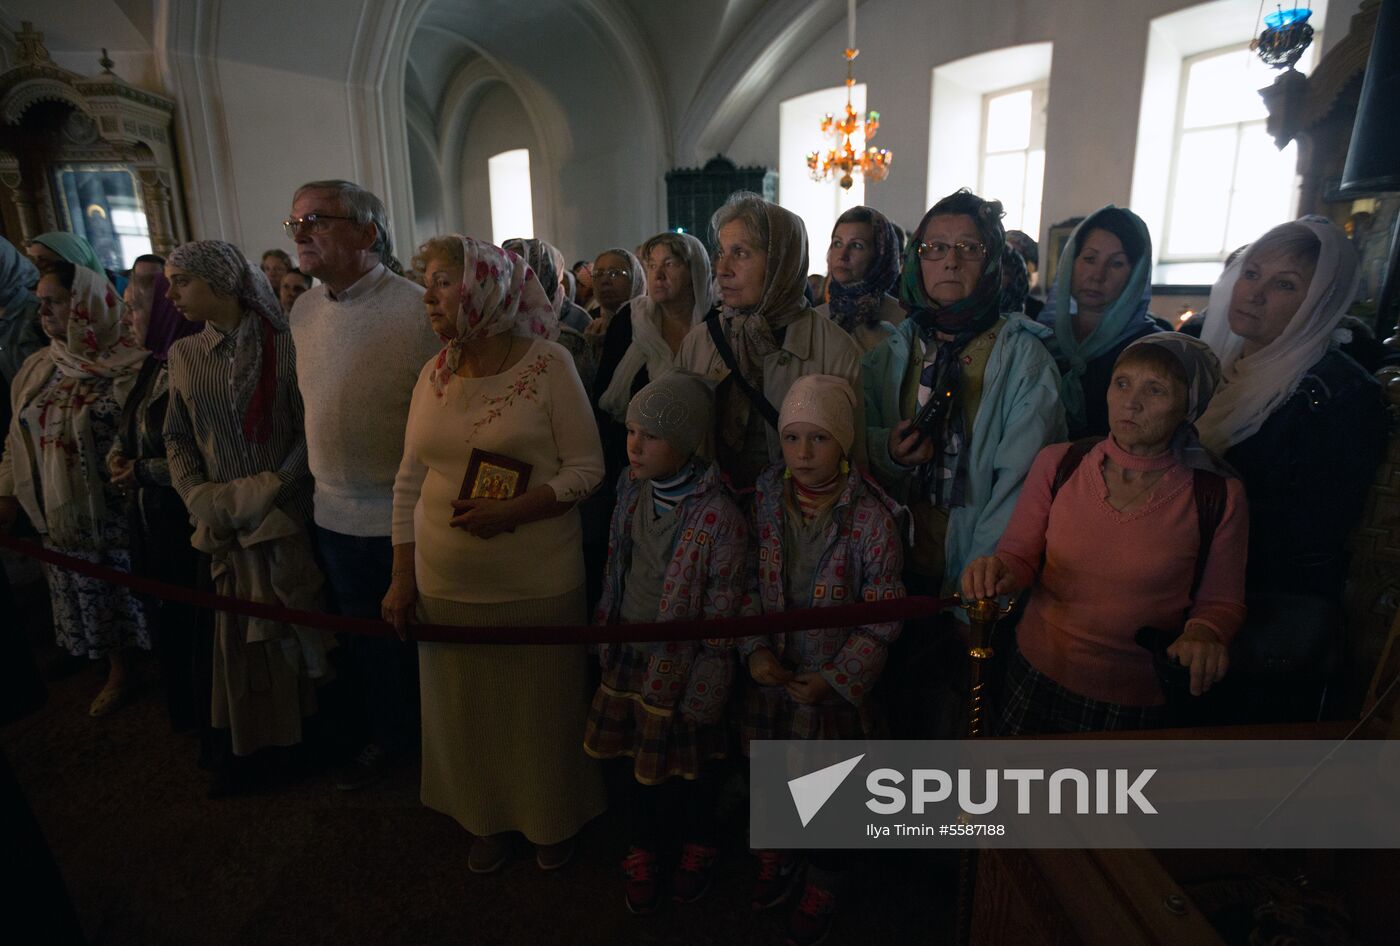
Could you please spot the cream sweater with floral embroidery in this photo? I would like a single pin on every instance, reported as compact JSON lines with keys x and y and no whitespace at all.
{"x":535,"y":412}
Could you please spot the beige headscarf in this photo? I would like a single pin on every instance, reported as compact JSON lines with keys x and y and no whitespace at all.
{"x":784,"y":298}
{"x":1253,"y":388}
{"x":649,"y":349}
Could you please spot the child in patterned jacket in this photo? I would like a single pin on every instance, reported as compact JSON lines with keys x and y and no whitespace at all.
{"x":826,"y":536}
{"x":678,"y":548}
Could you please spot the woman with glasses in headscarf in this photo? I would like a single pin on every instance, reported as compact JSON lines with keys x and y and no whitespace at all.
{"x":958,"y":403}
{"x":236,"y":444}
{"x":1145,"y":528}
{"x":1303,"y":423}
{"x":862,"y":265}
{"x":66,"y":402}
{"x":617,"y":277}
{"x":765,"y":335}
{"x":1106,"y":270}
{"x":499,"y":449}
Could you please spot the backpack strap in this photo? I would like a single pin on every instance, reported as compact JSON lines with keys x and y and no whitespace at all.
{"x":756,"y":398}
{"x":1076,"y":453}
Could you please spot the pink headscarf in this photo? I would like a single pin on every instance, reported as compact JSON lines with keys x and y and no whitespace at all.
{"x":500,"y":293}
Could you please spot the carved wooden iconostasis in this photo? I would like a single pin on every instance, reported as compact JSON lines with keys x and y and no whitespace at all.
{"x":90,"y":155}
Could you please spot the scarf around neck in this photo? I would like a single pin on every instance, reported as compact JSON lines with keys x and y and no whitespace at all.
{"x":96,"y":354}
{"x":964,"y":320}
{"x":1121,"y":316}
{"x":649,"y":349}
{"x":860,"y":302}
{"x":1253,"y":388}
{"x":253,"y":380}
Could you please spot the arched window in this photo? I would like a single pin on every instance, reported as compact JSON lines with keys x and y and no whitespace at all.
{"x":512,"y":214}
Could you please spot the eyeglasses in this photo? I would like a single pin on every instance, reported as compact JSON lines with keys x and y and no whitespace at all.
{"x":611,"y":274}
{"x":316,"y":223}
{"x":966,"y":252}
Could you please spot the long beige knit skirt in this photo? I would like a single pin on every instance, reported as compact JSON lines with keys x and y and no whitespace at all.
{"x":503,"y":724}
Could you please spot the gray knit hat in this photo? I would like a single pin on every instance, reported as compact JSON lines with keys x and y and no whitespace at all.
{"x":678,"y":407}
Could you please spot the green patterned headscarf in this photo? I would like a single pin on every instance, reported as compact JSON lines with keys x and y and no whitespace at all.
{"x":1073,"y":354}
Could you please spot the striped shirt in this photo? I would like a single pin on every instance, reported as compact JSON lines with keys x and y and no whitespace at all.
{"x":204,"y":429}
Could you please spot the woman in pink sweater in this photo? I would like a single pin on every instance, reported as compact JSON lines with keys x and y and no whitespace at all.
{"x":1113,"y":543}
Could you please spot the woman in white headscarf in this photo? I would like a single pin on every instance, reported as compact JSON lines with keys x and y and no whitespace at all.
{"x":1303,"y":423}
{"x":67,"y":399}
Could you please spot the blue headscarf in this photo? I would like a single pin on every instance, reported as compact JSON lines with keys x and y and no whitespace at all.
{"x":1118,"y":319}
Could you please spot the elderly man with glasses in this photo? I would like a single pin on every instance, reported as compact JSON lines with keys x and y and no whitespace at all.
{"x":361,"y":342}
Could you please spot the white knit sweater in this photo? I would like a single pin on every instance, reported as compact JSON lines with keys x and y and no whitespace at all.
{"x":358,"y":357}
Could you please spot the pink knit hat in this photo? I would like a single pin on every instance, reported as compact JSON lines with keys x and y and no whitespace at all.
{"x":825,"y":401}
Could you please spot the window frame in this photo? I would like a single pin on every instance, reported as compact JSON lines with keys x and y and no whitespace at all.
{"x":1040,"y":96}
{"x":1165,"y":257}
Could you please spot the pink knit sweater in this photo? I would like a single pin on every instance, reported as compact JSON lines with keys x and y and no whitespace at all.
{"x":1107,"y":573}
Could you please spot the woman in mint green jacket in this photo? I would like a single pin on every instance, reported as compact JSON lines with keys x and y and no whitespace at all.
{"x":958,"y":403}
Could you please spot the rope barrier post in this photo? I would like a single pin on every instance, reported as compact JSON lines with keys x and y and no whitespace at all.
{"x":982,"y":615}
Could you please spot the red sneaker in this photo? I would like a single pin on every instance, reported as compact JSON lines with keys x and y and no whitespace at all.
{"x":643,"y":884}
{"x":777,"y":875}
{"x":811,"y":922}
{"x":694,"y":873}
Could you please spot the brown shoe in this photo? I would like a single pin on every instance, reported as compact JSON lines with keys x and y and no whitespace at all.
{"x":488,"y":854}
{"x":554,"y":856}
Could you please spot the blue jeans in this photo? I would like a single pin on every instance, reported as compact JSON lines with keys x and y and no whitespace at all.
{"x":383,"y":671}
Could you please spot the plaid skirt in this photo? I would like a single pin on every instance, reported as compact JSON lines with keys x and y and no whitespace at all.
{"x":1034,"y":704}
{"x":770,"y":713}
{"x":659,"y":741}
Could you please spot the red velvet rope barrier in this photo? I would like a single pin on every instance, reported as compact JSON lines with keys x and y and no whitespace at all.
{"x":801,"y":619}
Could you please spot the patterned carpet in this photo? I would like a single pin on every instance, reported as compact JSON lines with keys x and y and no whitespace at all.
{"x":148,"y":860}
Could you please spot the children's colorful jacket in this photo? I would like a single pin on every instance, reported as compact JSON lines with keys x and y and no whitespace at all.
{"x":862,"y":559}
{"x":709,"y":577}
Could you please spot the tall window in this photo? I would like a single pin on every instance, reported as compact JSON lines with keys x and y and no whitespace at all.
{"x":1229,"y":183}
{"x":512,"y":214}
{"x":1011,"y":168}
{"x":818,"y":203}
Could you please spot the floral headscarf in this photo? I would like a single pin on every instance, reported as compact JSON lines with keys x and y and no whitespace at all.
{"x":860,"y":302}
{"x":1017,"y":280}
{"x":500,"y":293}
{"x":253,"y":381}
{"x":95,"y":352}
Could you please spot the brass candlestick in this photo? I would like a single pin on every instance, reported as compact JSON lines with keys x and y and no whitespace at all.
{"x":983,"y":615}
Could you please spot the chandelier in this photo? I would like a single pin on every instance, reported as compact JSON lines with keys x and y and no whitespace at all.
{"x":843,"y":160}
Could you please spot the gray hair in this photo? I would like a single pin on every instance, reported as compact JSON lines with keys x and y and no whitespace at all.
{"x":746,"y":207}
{"x":364,"y":207}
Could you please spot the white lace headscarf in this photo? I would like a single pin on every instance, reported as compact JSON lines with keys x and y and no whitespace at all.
{"x":1253,"y":388}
